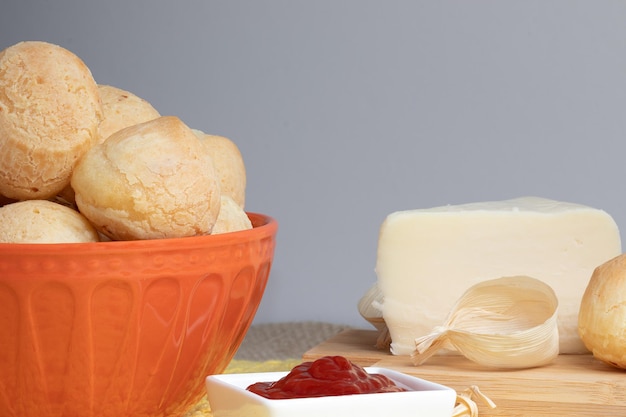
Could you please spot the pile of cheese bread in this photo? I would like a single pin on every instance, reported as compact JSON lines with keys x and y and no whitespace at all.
{"x":84,"y":162}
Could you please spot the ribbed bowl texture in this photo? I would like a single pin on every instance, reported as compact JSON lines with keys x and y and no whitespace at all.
{"x":125,"y":329}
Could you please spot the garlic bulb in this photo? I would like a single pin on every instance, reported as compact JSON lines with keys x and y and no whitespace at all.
{"x":509,"y":322}
{"x":602,"y":314}
{"x":370,"y":308}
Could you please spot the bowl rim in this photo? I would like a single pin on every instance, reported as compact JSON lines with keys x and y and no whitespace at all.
{"x":263,"y":226}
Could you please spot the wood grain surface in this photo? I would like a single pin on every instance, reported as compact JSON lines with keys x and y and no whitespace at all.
{"x":572,"y":386}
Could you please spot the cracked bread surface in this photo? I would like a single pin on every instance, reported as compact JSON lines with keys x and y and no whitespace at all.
{"x":149,"y":181}
{"x":50,"y":110}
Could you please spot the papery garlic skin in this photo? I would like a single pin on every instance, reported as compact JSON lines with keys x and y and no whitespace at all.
{"x":602,"y":314}
{"x":507,"y":323}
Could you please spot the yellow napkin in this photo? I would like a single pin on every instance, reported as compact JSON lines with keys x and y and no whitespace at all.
{"x":202,"y":409}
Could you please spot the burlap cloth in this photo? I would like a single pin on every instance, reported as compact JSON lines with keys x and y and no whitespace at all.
{"x":284,"y":340}
{"x":273,"y":347}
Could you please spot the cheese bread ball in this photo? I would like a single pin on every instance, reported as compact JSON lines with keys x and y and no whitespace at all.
{"x":122,"y":109}
{"x":148,"y":181}
{"x":42,"y":221}
{"x":231,"y":218}
{"x":49,"y":114}
{"x":228,"y":164}
{"x":602,"y":314}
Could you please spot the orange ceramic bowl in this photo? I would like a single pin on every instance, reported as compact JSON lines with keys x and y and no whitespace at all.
{"x":125,"y":328}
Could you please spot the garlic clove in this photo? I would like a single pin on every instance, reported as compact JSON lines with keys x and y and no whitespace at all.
{"x":509,"y":322}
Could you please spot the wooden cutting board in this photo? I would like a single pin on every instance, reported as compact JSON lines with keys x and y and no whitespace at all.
{"x":574,"y":385}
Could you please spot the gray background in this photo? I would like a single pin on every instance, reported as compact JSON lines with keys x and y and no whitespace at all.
{"x":348,"y":110}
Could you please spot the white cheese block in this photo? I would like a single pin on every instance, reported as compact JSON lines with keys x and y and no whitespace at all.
{"x":427,"y":258}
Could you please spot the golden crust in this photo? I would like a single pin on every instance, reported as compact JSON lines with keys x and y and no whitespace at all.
{"x":148,"y":181}
{"x":231,"y":218}
{"x":42,"y":221}
{"x":228,"y":164}
{"x":50,"y":110}
{"x":602,"y":314}
{"x":122,"y":109}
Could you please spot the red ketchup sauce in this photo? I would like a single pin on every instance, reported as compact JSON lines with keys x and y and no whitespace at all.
{"x":327,"y":376}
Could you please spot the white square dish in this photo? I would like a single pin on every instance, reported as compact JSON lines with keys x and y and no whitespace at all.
{"x":228,"y":397}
